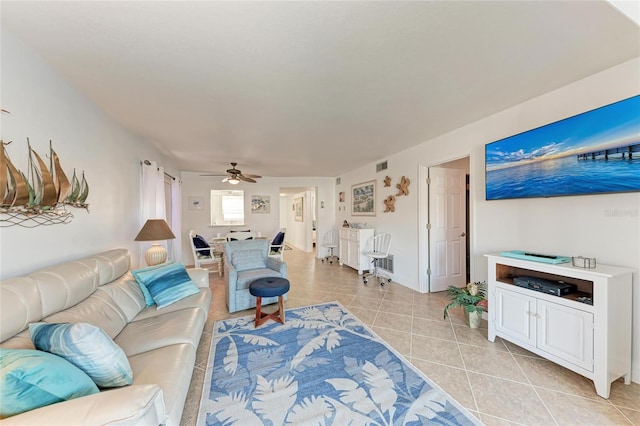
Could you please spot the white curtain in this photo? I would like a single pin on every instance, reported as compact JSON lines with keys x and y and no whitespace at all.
{"x":153,"y":201}
{"x":176,"y":218}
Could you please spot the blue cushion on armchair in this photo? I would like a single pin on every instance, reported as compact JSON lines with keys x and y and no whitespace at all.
{"x":244,"y":260}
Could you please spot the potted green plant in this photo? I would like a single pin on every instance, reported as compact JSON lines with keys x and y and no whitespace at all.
{"x":473,"y":298}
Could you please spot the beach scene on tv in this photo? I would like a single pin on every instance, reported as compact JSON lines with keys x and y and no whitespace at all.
{"x":591,"y":153}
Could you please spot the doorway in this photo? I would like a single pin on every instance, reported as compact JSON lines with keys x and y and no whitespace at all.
{"x":444,"y":232}
{"x":298,"y":212}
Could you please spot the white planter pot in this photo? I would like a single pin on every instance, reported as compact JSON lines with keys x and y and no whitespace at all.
{"x":474,"y":319}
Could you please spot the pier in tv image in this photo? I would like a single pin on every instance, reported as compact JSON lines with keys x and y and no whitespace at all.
{"x":592,"y":153}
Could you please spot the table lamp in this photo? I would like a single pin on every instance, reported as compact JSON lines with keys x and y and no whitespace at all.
{"x":155,"y":230}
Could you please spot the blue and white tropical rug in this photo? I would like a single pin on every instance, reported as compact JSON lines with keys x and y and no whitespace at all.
{"x":322,"y":367}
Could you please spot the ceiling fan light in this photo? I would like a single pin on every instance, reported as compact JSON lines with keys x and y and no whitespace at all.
{"x":234,"y":181}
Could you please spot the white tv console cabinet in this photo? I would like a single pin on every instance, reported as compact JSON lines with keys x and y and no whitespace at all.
{"x":592,"y":340}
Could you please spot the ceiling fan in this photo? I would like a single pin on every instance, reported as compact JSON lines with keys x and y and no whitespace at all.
{"x":234,"y":176}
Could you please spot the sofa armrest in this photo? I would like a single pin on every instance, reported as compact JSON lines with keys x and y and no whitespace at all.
{"x":130,"y":405}
{"x":200,"y":276}
{"x":277,"y":265}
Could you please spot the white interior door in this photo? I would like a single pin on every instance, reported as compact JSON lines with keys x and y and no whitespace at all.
{"x":447,"y":228}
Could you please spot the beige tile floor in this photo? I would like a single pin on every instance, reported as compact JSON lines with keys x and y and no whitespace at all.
{"x":499,"y":382}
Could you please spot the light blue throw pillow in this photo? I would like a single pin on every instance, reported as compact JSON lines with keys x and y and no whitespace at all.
{"x":31,"y":379}
{"x":87,"y":347}
{"x":244,"y":260}
{"x":147,"y":296}
{"x":166,"y":284}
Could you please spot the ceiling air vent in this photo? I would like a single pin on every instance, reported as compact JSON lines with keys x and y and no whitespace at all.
{"x":381,"y":166}
{"x":337,"y":181}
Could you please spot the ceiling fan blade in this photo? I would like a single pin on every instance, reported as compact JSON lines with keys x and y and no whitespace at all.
{"x":234,"y":175}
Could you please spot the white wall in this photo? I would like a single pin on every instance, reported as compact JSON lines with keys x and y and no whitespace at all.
{"x":44,"y":106}
{"x":283,"y":208}
{"x":606,"y":227}
{"x":267,"y":224}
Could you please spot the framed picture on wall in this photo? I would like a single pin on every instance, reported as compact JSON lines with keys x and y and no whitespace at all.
{"x":261,"y":204}
{"x":196,"y":203}
{"x":297,"y":208}
{"x":363,"y":199}
{"x":341,"y":197}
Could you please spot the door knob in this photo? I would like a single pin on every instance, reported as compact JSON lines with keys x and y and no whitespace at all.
{"x":464,"y":234}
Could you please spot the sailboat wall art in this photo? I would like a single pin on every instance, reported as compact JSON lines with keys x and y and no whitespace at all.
{"x":42,"y":195}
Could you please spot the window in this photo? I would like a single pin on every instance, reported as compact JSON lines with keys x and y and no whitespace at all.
{"x":232,"y":208}
{"x":227,"y":207}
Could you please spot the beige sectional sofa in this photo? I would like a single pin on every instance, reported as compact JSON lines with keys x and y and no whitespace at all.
{"x":160,"y":344}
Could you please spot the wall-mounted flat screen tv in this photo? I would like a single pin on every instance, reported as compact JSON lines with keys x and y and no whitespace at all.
{"x":594,"y":152}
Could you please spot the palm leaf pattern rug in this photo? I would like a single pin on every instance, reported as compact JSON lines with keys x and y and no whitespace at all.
{"x":322,"y":367}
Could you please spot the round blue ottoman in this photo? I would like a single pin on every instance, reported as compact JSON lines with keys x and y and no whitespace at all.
{"x":269,"y":287}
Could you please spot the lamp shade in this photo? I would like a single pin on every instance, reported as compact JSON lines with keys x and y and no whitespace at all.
{"x":155,"y":230}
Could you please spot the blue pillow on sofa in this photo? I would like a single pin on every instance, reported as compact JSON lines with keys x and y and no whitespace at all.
{"x":148,"y":300}
{"x":87,"y":347}
{"x":166,"y":283}
{"x":31,"y":379}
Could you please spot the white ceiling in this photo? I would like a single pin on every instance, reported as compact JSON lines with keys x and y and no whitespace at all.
{"x":315,"y":88}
